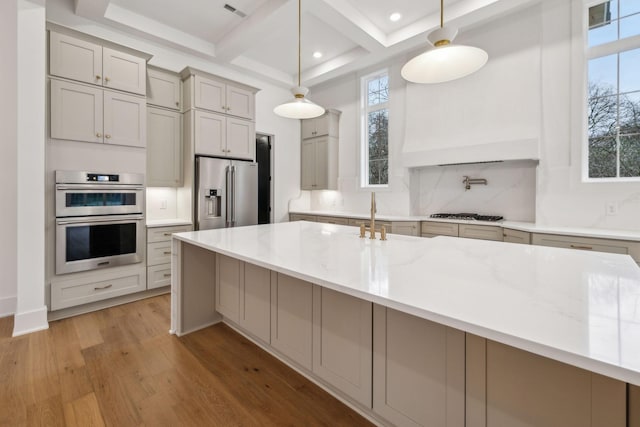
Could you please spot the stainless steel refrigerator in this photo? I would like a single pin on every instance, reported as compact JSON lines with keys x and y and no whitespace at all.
{"x":226,"y":193}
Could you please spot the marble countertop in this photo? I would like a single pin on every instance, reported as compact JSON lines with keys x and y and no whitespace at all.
{"x":152,"y":223}
{"x":581,"y":308}
{"x":516,"y":225}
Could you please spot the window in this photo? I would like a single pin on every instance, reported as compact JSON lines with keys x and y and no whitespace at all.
{"x":375,"y":130}
{"x":613,"y":115}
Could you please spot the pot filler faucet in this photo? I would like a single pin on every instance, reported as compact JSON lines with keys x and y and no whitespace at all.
{"x":468,"y":182}
{"x":372,"y":224}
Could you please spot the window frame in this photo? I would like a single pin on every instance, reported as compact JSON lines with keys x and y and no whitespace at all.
{"x":365,"y":109}
{"x":600,"y":51}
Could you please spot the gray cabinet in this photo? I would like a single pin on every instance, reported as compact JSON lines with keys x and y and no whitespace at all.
{"x":418,"y":370}
{"x":163,"y":88}
{"x":406,"y":228}
{"x":342,"y":345}
{"x":229,"y":275}
{"x":588,"y":244}
{"x":88,"y":62}
{"x":516,"y":236}
{"x":434,"y":228}
{"x":159,"y":254}
{"x":319,"y":152}
{"x":291,"y":319}
{"x":255,"y":302}
{"x":483,"y":232}
{"x":164,"y":148}
{"x":222,"y":136}
{"x":302,"y":217}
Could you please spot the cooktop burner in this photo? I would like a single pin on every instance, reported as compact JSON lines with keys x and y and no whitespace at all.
{"x":467,"y":216}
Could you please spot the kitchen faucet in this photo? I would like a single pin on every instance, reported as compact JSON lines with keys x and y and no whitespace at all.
{"x":468,"y":182}
{"x":372,"y":224}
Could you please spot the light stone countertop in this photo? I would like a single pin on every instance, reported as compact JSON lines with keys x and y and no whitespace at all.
{"x":516,"y":225}
{"x":153,"y":223}
{"x":580,"y":308}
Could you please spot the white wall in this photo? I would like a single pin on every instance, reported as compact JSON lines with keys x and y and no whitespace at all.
{"x":532,"y":88}
{"x":8,"y":155}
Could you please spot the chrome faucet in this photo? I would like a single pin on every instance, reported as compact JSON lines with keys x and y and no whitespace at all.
{"x":468,"y":182}
{"x":372,"y":224}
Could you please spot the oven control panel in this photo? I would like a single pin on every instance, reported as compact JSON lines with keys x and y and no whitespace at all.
{"x":96,"y":177}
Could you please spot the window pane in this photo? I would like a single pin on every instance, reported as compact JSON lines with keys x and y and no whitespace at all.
{"x":630,"y":156}
{"x":378,"y":124}
{"x":627,"y":7}
{"x":630,"y":26}
{"x":630,"y":113}
{"x":603,"y":26}
{"x":603,"y":72}
{"x":602,"y":157}
{"x":630,"y":70}
{"x":603,"y":115}
{"x":378,"y":90}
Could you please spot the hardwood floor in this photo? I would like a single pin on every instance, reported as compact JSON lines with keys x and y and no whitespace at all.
{"x":120,"y":367}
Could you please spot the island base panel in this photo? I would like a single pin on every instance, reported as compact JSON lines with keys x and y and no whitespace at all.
{"x":198,"y":308}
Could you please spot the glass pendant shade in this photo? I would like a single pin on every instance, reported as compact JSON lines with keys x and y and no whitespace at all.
{"x":299,"y":107}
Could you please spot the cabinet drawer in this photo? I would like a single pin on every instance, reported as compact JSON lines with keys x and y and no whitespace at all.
{"x":158,"y":276}
{"x":516,"y":236}
{"x":333,"y":220}
{"x":302,"y":217}
{"x":432,"y":228}
{"x":158,"y":253}
{"x":484,"y":232}
{"x":409,"y":228}
{"x":163,"y":234}
{"x":77,"y":291}
{"x":588,"y":244}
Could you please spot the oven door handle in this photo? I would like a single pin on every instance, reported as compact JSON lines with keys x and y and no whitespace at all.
{"x":113,"y":218}
{"x":98,"y":187}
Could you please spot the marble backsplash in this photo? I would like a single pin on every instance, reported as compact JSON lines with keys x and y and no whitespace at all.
{"x":510,"y":190}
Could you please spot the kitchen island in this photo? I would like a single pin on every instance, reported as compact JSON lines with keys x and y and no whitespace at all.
{"x":452,"y":329}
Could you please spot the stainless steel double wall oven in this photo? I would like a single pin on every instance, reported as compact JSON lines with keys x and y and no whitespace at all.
{"x":99,"y":220}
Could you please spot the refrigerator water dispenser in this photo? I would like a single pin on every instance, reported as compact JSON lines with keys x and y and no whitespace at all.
{"x":214,"y":202}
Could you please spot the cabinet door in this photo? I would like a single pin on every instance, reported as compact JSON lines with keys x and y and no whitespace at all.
{"x":516,"y":236}
{"x":158,"y":276}
{"x":291,"y":320}
{"x":209,"y":94}
{"x":125,"y":119}
{"x":322,"y":125}
{"x":322,"y":164}
{"x":229,"y":275}
{"x":308,"y":165}
{"x":255,"y":302}
{"x":342,"y":345}
{"x":418,"y":370}
{"x":241,"y":139}
{"x":163,"y":89}
{"x":124,"y":71}
{"x":164,"y":148}
{"x":482,"y":232}
{"x":240,"y":102}
{"x":409,"y":228}
{"x":210,"y":134}
{"x":75,"y":59}
{"x":308,"y":128}
{"x":76,"y":112}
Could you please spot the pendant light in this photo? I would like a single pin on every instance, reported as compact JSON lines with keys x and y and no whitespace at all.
{"x":445,"y":61}
{"x":299,"y":107}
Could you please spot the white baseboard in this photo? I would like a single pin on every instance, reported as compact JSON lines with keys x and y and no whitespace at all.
{"x":7,"y":306}
{"x":30,"y":321}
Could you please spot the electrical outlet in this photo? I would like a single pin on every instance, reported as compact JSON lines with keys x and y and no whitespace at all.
{"x":612,"y":208}
{"x":163,"y":204}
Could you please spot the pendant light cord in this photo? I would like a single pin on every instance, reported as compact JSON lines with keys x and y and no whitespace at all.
{"x":441,"y":13}
{"x":299,"y":37}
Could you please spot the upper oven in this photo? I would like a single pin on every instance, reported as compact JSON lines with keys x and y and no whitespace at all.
{"x":89,"y":194}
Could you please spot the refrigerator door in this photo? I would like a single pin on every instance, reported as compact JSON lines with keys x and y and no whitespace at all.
{"x":244,"y":187}
{"x":211,"y":193}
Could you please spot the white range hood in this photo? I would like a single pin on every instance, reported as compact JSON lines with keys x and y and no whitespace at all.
{"x":523,"y":149}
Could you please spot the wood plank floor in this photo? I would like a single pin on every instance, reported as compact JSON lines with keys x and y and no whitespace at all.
{"x":120,"y":367}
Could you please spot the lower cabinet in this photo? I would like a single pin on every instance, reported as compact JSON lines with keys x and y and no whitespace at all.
{"x":418,"y":370}
{"x":519,"y":389}
{"x":434,"y":228}
{"x":342,"y":342}
{"x":333,"y":220}
{"x":482,"y":232}
{"x":255,"y":301}
{"x":406,"y":228}
{"x":229,"y":276}
{"x":159,"y":254}
{"x":516,"y":236}
{"x":291,"y":319}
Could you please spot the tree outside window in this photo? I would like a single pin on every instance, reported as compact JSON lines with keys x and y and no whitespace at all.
{"x":376,"y":130}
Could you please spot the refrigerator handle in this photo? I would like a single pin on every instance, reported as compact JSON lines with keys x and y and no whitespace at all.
{"x":228,"y":197}
{"x":233,"y":192}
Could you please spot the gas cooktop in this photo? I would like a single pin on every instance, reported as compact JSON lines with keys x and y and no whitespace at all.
{"x":467,"y":216}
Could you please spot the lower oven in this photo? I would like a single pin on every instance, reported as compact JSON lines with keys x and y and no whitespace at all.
{"x":92,"y":242}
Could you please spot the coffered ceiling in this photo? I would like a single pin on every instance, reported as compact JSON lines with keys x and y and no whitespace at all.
{"x":260,"y":36}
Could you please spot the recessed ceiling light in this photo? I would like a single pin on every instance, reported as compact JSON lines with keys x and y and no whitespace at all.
{"x":317,"y":54}
{"x":394,"y":17}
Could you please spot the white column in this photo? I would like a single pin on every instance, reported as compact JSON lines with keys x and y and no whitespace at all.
{"x":31,"y":310}
{"x":8,"y":155}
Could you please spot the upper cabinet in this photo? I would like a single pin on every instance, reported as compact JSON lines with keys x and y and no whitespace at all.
{"x":319,"y":152}
{"x":163,"y":89}
{"x":77,"y":59}
{"x":223,"y":97}
{"x":327,"y":124}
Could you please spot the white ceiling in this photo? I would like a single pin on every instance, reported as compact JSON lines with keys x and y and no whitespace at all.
{"x":351,"y":34}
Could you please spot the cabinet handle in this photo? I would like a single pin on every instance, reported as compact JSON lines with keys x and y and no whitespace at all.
{"x":107,"y":136}
{"x":166,"y":253}
{"x":98,"y":77}
{"x":167,"y":274}
{"x":99,"y":288}
{"x":584,"y":248}
{"x":177,"y":104}
{"x":98,"y":134}
{"x":106,"y":79}
{"x":166,"y":234}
